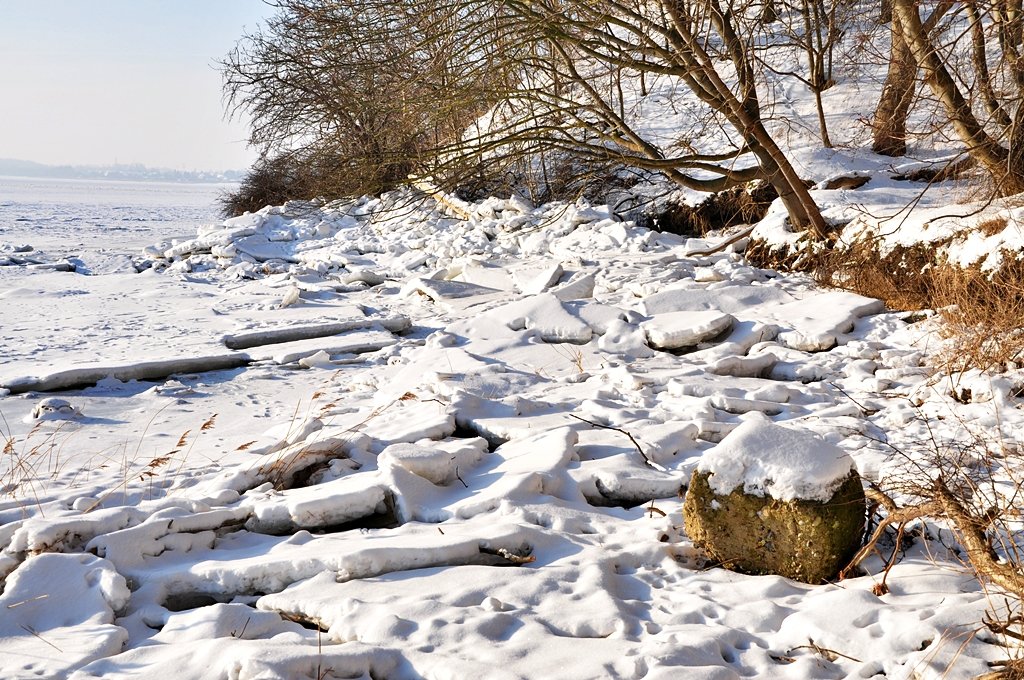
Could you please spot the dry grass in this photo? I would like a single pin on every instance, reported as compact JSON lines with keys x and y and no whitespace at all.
{"x":50,"y":455}
{"x":1009,"y":670}
{"x":904,"y":278}
{"x":293,"y":462}
{"x":983,"y":312}
{"x":994,"y":226}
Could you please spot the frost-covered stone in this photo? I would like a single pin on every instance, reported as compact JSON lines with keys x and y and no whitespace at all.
{"x":772,"y":500}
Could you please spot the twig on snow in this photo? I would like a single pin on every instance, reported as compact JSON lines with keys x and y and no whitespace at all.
{"x":28,"y":629}
{"x":724,"y":244}
{"x":619,"y":429}
{"x":825,"y":652}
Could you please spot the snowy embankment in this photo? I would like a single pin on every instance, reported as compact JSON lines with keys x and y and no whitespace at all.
{"x":448,"y":447}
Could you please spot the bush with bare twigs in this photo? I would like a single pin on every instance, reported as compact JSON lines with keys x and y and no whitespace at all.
{"x":973,"y":481}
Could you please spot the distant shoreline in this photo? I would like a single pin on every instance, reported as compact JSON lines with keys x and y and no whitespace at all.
{"x":125,"y":180}
{"x":130,"y":173}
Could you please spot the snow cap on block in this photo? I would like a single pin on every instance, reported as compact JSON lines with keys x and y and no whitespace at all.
{"x":782,"y":462}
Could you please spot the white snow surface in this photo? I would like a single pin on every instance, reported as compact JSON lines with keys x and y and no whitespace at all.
{"x":457,"y":451}
{"x":787,"y":464}
{"x":326,"y":441}
{"x":368,"y":416}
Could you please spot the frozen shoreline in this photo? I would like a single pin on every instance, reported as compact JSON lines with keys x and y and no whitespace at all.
{"x":374,"y":482}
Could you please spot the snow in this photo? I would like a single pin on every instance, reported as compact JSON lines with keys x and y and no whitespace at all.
{"x":763,"y":458}
{"x":390,"y":452}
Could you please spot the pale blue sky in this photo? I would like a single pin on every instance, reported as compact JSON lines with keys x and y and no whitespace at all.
{"x":132,"y":81}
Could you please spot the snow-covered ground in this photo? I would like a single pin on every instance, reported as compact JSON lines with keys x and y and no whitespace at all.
{"x":371,"y":439}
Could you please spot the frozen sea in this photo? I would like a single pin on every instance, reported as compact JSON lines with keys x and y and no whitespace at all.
{"x":63,"y":216}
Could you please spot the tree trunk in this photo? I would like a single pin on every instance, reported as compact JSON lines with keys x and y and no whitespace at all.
{"x":890,"y":119}
{"x":814,"y":16}
{"x":979,"y":56}
{"x":803,"y":211}
{"x":1005,"y":165}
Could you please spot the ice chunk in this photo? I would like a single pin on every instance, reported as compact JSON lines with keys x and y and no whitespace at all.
{"x":535,"y":278}
{"x":352,"y":342}
{"x":625,"y":338}
{"x":410,"y":421}
{"x":817,"y":321}
{"x":676,"y":330}
{"x":547,"y":315}
{"x":277,"y":334}
{"x":315,"y":507}
{"x":438,"y":462}
{"x":738,"y":300}
{"x":63,"y":603}
{"x":487,"y":276}
{"x":578,"y":287}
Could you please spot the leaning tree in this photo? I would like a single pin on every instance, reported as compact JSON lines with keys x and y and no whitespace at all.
{"x":585,"y":67}
{"x":981,"y":95}
{"x":392,"y":87}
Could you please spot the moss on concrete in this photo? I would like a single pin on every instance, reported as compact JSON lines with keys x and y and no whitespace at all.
{"x":806,"y":541}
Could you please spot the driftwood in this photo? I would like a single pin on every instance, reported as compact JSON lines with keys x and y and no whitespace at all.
{"x":724,"y":244}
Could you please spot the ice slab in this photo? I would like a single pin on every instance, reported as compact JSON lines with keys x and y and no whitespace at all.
{"x":815,"y":323}
{"x":58,"y":614}
{"x":351,"y":342}
{"x":677,"y":330}
{"x":147,"y":370}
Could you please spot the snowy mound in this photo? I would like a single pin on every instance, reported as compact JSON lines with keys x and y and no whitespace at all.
{"x":782,"y":462}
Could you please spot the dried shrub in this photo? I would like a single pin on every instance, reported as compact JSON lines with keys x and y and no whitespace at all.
{"x":903,"y":277}
{"x":983,"y":312}
{"x":803,"y":258}
{"x":541,"y":177}
{"x":993,"y":226}
{"x":972,"y":479}
{"x":270,"y":181}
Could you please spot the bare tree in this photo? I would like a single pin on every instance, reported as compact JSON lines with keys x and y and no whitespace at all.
{"x":889,"y":122}
{"x":815,"y":27}
{"x":388,"y":87}
{"x":706,"y":46}
{"x":359,"y":88}
{"x":995,"y":139}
